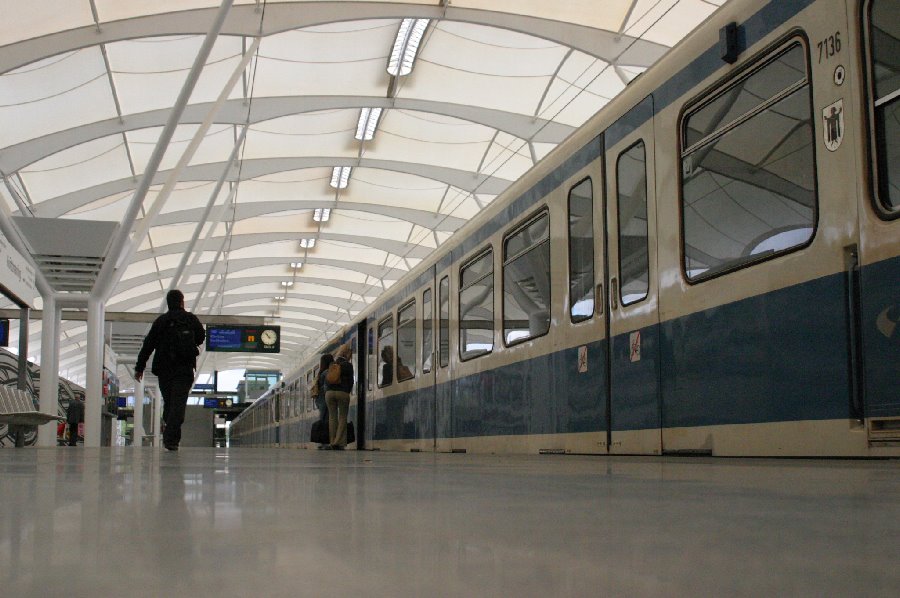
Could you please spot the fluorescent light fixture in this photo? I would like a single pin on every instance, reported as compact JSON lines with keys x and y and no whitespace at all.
{"x":368,"y":120}
{"x":307,"y":243}
{"x":321,"y":214}
{"x":405,"y":46}
{"x":339,"y":176}
{"x":287,"y":283}
{"x":296,"y":265}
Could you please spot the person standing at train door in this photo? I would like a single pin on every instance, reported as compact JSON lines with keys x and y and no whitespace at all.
{"x":321,"y":428}
{"x":173,"y":339}
{"x":337,"y":397}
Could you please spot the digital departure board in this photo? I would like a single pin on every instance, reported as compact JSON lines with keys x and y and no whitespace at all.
{"x":4,"y":333}
{"x":243,"y":339}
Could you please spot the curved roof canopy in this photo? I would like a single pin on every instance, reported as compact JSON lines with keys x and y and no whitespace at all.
{"x":462,"y":97}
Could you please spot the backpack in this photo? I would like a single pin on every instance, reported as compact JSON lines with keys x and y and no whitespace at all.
{"x":177,"y":344}
{"x":333,"y":374}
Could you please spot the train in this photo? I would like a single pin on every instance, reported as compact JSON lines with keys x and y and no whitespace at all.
{"x":709,"y":266}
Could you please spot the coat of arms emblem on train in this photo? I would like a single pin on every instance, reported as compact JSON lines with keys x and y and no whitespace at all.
{"x":833,"y":121}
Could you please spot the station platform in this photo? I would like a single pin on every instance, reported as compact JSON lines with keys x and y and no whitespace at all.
{"x":276,"y":522}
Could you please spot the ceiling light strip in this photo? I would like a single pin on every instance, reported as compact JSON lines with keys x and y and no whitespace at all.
{"x":368,"y":121}
{"x":406,"y":45}
{"x":340,"y":176}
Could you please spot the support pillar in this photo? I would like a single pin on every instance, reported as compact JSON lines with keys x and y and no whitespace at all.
{"x":93,"y":404}
{"x":50,"y":321}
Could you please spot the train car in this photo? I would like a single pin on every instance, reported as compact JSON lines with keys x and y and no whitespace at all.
{"x":710,"y":265}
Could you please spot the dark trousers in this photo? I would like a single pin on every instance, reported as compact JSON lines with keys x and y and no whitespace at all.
{"x":73,"y":433}
{"x":175,"y":390}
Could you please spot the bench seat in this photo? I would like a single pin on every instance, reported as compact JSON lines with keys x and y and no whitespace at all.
{"x":17,"y":409}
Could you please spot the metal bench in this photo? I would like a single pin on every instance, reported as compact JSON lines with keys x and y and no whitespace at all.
{"x":17,"y":410}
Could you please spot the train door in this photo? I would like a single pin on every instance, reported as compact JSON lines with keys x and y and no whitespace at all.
{"x":367,"y":427}
{"x":632,"y":306}
{"x":878,"y":266}
{"x":426,"y":387}
{"x":442,"y":369}
{"x":580,"y":339}
{"x":358,"y":344}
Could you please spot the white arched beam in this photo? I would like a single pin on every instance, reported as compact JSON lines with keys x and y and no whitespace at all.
{"x":403,"y":248}
{"x":239,"y":265}
{"x":610,"y":46}
{"x":424,"y":218}
{"x":251,"y":169}
{"x":523,"y":126}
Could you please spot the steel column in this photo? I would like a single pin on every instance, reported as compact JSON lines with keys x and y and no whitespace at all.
{"x":93,"y":404}
{"x":49,"y":368}
{"x":107,"y":277}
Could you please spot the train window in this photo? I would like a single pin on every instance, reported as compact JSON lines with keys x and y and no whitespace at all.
{"x":444,"y":322}
{"x":581,"y":251}
{"x":748,"y":169}
{"x":476,"y":306}
{"x":526,"y":281}
{"x":884,"y":38}
{"x":631,"y":197}
{"x":386,"y":351}
{"x":406,"y":341}
{"x":427,"y":332}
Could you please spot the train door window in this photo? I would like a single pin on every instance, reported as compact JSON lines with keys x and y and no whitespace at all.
{"x":476,"y":306}
{"x":581,"y":251}
{"x":354,"y":353}
{"x":370,"y":365}
{"x":427,"y":332}
{"x":526,"y":281}
{"x":884,"y":72}
{"x":748,"y":168}
{"x":386,"y":351}
{"x":444,"y":322}
{"x":406,"y":341}
{"x":631,"y":197}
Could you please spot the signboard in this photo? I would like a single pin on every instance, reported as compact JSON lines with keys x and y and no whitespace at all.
{"x":4,"y":333}
{"x":17,"y":277}
{"x":243,"y":339}
{"x":218,"y":403}
{"x":204,"y":387}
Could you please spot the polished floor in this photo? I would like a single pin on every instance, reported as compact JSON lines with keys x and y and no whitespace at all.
{"x":78,"y":522}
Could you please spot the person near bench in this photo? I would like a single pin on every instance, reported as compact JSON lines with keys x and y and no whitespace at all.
{"x":74,"y":416}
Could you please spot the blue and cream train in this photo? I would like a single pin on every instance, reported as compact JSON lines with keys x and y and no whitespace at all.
{"x":710,"y":265}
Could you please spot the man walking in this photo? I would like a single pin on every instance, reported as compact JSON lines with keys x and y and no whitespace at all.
{"x":173,"y":339}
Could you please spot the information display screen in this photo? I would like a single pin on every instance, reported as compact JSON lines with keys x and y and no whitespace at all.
{"x":243,"y":339}
{"x":4,"y":333}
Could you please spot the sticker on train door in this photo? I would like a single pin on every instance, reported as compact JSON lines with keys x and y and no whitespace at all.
{"x":582,"y":359}
{"x":635,"y":343}
{"x":833,"y":121}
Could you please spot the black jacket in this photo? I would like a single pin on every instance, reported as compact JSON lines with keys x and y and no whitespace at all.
{"x":151,"y":342}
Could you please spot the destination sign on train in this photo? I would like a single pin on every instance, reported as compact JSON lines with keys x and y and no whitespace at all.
{"x":243,"y":339}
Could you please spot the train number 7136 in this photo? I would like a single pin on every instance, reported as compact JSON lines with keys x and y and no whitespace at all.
{"x":829,"y":46}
